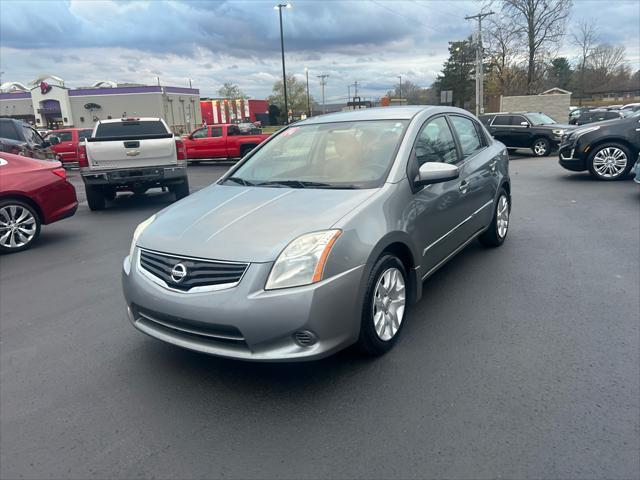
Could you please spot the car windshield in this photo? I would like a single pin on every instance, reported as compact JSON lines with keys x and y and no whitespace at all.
{"x":540,"y":119}
{"x":328,"y":155}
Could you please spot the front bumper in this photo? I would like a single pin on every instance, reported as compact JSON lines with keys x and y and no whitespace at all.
{"x":130,"y":176}
{"x":569,"y":158}
{"x":247,"y":322}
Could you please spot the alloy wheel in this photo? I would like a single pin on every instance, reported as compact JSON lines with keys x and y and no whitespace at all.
{"x":610,"y":162}
{"x":502,"y":216}
{"x":389,"y":299}
{"x":540,"y":148}
{"x":17,"y":226}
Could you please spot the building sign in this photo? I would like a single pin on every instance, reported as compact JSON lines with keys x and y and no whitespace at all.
{"x":44,"y":88}
{"x":92,"y":106}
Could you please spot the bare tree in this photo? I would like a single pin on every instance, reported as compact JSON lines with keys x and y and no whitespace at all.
{"x":606,"y":59}
{"x":503,"y":50}
{"x":541,"y":25}
{"x":585,"y":38}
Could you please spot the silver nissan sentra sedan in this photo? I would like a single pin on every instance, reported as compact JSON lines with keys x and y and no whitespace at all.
{"x":321,"y":237}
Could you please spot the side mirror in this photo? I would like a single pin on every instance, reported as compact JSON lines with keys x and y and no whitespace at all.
{"x":435,"y":172}
{"x":53,"y":140}
{"x":524,"y":124}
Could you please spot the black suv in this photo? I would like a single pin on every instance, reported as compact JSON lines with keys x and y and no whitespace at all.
{"x":533,"y":130}
{"x":21,"y":138}
{"x":607,"y":149}
{"x":598,"y":115}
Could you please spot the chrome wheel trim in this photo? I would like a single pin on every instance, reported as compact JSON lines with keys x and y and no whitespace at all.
{"x":610,"y":162}
{"x":389,"y":299}
{"x":540,"y":148}
{"x":17,"y":226}
{"x":502,"y":216}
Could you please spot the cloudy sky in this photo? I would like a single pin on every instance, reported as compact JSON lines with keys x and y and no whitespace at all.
{"x":371,"y":41}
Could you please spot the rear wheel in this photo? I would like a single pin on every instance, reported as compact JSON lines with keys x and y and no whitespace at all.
{"x":610,"y":161}
{"x":495,"y":235}
{"x":180,"y":190}
{"x":384,"y":306}
{"x":95,"y":197}
{"x":19,"y":226}
{"x":541,"y":147}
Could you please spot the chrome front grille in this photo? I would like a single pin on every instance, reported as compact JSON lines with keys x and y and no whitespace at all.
{"x":189,"y":274}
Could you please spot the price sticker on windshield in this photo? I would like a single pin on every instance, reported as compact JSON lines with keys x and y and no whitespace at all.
{"x":290,"y":131}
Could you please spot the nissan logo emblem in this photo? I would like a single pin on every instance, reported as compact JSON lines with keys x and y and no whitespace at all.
{"x":178,"y":272}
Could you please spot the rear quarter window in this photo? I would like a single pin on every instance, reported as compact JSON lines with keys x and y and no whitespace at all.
{"x":131,"y":129}
{"x":7,"y":130}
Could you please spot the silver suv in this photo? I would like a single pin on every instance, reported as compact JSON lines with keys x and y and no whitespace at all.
{"x":321,"y":237}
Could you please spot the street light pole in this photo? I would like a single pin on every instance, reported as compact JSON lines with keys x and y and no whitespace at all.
{"x":306,"y":71}
{"x":279,"y":7}
{"x":323,"y":82}
{"x":400,"y":77}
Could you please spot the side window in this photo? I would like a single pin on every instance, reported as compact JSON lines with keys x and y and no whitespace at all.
{"x":502,"y":120}
{"x":435,"y":143}
{"x":216,"y":131}
{"x":467,"y":134}
{"x":610,"y":115}
{"x":63,"y":136}
{"x":31,"y":136}
{"x":82,"y":134}
{"x":233,"y":130}
{"x":518,"y":119}
{"x":201,"y":133}
{"x":8,"y":131}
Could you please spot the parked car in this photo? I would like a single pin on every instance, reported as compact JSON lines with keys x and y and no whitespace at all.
{"x":220,"y":142}
{"x":248,"y":128}
{"x":576,"y":112}
{"x":20,"y":138}
{"x":632,"y":107}
{"x":533,"y":130}
{"x":321,"y":236}
{"x":607,"y":149}
{"x":32,"y":193}
{"x":131,"y":154}
{"x":636,"y":177}
{"x":598,"y":115}
{"x":67,"y":146}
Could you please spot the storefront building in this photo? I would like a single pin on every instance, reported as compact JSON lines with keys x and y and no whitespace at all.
{"x":54,"y":106}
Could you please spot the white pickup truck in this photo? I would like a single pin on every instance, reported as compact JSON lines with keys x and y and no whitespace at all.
{"x":131,"y":154}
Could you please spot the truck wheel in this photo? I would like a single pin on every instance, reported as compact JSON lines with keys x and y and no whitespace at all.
{"x":181,"y":190}
{"x":95,"y":198}
{"x":245,"y":149}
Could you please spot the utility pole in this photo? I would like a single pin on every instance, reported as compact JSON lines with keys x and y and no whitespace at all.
{"x":400,"y":77}
{"x":306,"y":71}
{"x":355,"y":94}
{"x":323,"y":82}
{"x":479,"y":74}
{"x":348,"y":93}
{"x":279,"y":7}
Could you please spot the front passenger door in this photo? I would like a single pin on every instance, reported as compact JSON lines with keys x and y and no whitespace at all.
{"x":438,"y":211}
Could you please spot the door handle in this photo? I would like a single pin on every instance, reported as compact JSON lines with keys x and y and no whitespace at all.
{"x":463,"y":187}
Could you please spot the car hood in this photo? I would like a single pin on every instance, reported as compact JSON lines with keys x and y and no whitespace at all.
{"x":555,"y":126}
{"x":248,"y":224}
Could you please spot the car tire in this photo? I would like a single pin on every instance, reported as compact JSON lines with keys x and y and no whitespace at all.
{"x":541,"y":147}
{"x":180,"y":190}
{"x":495,"y":235}
{"x":95,"y":198}
{"x":384,"y":312}
{"x":610,"y":161}
{"x":16,"y":212}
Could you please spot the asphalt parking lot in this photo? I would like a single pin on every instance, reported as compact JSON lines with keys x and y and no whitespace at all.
{"x":523,"y":361}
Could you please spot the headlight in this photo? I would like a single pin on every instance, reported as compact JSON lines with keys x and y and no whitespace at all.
{"x":581,"y":131}
{"x":558,"y":132}
{"x":138,"y":231}
{"x":302,"y":261}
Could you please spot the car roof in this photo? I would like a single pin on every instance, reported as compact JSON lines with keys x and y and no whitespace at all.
{"x":404,"y":112}
{"x":141,"y":119}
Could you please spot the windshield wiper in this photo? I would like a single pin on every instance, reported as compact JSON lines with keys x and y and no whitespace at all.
{"x":305,"y":184}
{"x":239,"y":180}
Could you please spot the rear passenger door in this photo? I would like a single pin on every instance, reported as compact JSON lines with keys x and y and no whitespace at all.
{"x":478,"y":170}
{"x":502,"y":130}
{"x":521,"y":131}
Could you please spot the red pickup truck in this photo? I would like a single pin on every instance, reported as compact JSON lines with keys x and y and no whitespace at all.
{"x":217,"y":142}
{"x":68,"y":147}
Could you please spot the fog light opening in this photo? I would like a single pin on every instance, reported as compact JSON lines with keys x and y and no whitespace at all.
{"x":305,"y":338}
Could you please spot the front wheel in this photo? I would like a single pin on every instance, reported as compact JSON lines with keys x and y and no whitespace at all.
{"x":495,"y":235}
{"x":610,"y":161}
{"x":541,"y":147}
{"x":19,"y":226}
{"x":384,"y":306}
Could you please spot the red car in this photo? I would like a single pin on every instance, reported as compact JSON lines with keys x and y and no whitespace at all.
{"x":32,"y":193}
{"x":67,"y":149}
{"x":219,"y":142}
